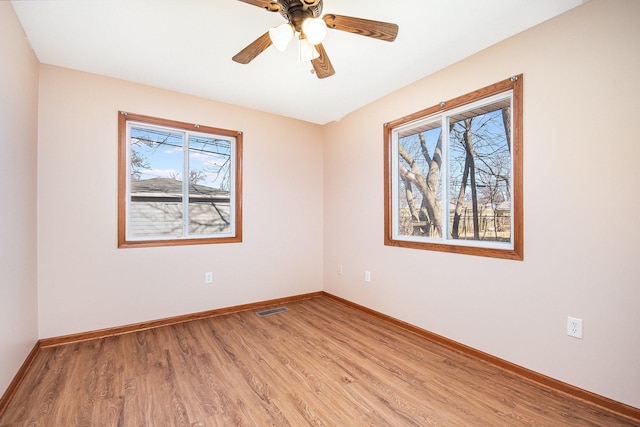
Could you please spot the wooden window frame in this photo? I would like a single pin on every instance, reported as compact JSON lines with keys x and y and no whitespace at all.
{"x":513,"y":84}
{"x":123,"y":159}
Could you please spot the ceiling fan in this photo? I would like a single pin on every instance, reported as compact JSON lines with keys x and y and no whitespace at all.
{"x":303,"y":20}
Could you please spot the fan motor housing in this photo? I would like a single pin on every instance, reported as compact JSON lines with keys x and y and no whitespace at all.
{"x":296,"y":11}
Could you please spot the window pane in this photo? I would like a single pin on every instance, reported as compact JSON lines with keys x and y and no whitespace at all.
{"x":209,"y":185}
{"x":155,"y":182}
{"x":453,"y":175}
{"x":178,"y":183}
{"x":419,"y":193}
{"x":480,"y":174}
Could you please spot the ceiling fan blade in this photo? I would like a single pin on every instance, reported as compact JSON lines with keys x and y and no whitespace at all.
{"x":365,"y":27}
{"x":322,"y":64}
{"x":254,"y":49}
{"x":260,"y":3}
{"x":271,"y":6}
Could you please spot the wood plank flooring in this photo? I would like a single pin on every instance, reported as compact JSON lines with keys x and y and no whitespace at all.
{"x":320,"y":363}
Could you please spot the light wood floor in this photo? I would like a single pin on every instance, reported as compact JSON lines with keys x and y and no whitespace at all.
{"x":319,"y":364}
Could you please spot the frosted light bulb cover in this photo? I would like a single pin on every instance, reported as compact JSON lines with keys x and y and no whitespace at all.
{"x":315,"y":30}
{"x":281,"y":35}
{"x":307,"y":51}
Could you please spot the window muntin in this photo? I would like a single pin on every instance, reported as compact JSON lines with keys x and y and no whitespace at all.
{"x":157,"y":205}
{"x":459,"y":190}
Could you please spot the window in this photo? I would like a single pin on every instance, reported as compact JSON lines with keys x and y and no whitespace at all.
{"x":453,"y":175}
{"x":178,"y":183}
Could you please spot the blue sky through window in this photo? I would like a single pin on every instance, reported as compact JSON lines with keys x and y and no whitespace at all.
{"x":159,"y":153}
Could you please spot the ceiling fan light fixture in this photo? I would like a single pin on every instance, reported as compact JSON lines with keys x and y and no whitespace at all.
{"x":306,"y":22}
{"x":307,"y":51}
{"x":315,"y":29}
{"x":281,"y":35}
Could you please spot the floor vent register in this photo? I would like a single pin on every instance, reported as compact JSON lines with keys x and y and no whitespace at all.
{"x":271,"y":311}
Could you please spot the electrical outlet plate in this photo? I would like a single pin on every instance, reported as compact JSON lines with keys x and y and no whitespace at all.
{"x":367,"y":276}
{"x":208,"y":277}
{"x":574,"y":327}
{"x":339,"y":269}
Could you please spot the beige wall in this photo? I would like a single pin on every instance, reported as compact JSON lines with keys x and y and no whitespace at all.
{"x":18,"y":138}
{"x":581,"y":152}
{"x":87,"y":283}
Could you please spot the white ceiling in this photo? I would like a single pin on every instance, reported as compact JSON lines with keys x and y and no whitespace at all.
{"x":187,"y":45}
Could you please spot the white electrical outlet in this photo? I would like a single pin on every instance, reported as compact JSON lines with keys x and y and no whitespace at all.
{"x":208,"y":277}
{"x":574,"y":327}
{"x":339,"y":269}
{"x":367,"y":276}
